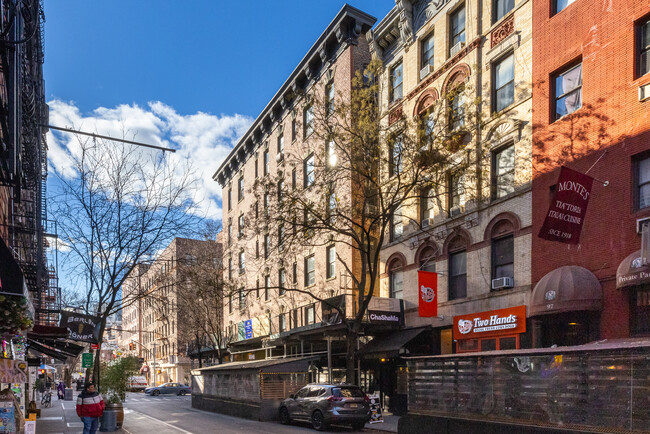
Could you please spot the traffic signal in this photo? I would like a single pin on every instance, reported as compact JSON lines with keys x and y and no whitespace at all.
{"x":42,"y":371}
{"x":132,"y":346}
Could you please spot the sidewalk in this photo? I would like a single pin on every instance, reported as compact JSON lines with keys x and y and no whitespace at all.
{"x":60,"y":418}
{"x":389,"y":424}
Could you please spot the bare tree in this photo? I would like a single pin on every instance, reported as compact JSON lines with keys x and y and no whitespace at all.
{"x":122,"y":206}
{"x":367,"y":165}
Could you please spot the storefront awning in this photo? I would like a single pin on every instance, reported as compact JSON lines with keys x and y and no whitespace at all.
{"x":632,"y":272}
{"x":289,"y":364}
{"x":566,"y":289}
{"x":387,"y":346}
{"x":35,"y":346}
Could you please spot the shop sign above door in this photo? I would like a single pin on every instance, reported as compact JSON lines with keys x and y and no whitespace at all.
{"x":499,"y":322}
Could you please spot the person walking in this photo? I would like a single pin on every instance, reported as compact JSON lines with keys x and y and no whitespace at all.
{"x":90,"y":407}
{"x":60,"y":390}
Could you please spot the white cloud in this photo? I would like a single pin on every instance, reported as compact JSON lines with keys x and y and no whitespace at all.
{"x":201,"y":138}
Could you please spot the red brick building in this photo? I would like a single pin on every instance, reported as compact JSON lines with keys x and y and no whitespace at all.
{"x":591,"y":99}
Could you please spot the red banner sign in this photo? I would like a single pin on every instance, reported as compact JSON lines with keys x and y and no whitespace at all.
{"x":428,"y":284}
{"x":499,"y":322}
{"x":566,"y":214}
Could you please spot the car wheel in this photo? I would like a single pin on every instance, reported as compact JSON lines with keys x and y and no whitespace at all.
{"x":317,"y":421}
{"x":358,"y":426}
{"x":182,"y":392}
{"x":285,"y":419}
{"x":155,"y":392}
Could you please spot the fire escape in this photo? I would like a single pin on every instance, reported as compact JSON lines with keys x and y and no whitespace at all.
{"x":23,"y":114}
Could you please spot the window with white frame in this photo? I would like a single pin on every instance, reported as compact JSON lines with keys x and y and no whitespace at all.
{"x":240,"y":226}
{"x":242,"y":262}
{"x":559,"y":5}
{"x":457,"y":30}
{"x":568,"y":91}
{"x":310,"y":314}
{"x":308,"y":170}
{"x":396,"y":279}
{"x":427,"y":48}
{"x":503,"y":170}
{"x":330,"y":152}
{"x":500,"y":9}
{"x":427,"y":204}
{"x":331,"y":262}
{"x":267,"y":163}
{"x":457,"y":108}
{"x":642,"y":190}
{"x":503,"y":92}
{"x":457,"y":275}
{"x":310,"y":270}
{"x":240,"y":189}
{"x":644,"y":47}
{"x":280,"y":143}
{"x":397,"y":226}
{"x":396,"y":81}
{"x":242,"y":299}
{"x":308,"y":121}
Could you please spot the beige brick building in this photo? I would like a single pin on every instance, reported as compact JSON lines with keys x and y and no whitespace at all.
{"x":477,"y":232}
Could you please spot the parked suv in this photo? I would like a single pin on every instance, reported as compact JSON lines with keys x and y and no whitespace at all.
{"x":324,"y":404}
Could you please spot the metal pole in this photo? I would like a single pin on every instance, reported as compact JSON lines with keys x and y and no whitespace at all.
{"x":154,"y":364}
{"x":329,"y":359}
{"x":131,"y":142}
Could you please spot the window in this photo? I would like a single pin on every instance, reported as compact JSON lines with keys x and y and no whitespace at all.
{"x":257,"y":209}
{"x":283,"y":322}
{"x":427,"y":259}
{"x":503,"y":93}
{"x":267,"y":204}
{"x":329,"y":98}
{"x":644,"y":48}
{"x":308,"y":170}
{"x":294,"y":269}
{"x":242,"y":299}
{"x":456,"y":191}
{"x":643,"y":183}
{"x":280,"y":236}
{"x":568,"y":91}
{"x":396,"y":225}
{"x":229,"y":231}
{"x":559,"y":5}
{"x":308,"y":121}
{"x":331,"y":262}
{"x":396,"y":82}
{"x":457,"y":275}
{"x":229,"y":199}
{"x":503,"y":172}
{"x":240,"y":228}
{"x":457,"y":37}
{"x":282,"y":281}
{"x":240,"y":189}
{"x":396,"y":160}
{"x":396,"y":277}
{"x":280,"y":191}
{"x":280,"y":143}
{"x":427,"y":120}
{"x":257,"y":249}
{"x":242,"y":262}
{"x":256,"y":170}
{"x":427,"y":204}
{"x":294,"y":179}
{"x":230,"y":303}
{"x":310,"y":314}
{"x":457,"y":108}
{"x":267,"y":166}
{"x":310,"y":270}
{"x":500,"y":9}
{"x":267,"y":245}
{"x":427,"y":53}
{"x":294,"y":129}
{"x":640,"y":311}
{"x":503,"y":257}
{"x":330,"y":152}
{"x":257,"y":288}
{"x":267,"y":285}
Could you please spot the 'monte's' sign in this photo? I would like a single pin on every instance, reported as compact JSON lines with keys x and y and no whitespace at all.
{"x":490,"y":323}
{"x":566,"y":214}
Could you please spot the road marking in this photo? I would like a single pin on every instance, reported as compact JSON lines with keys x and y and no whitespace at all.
{"x":51,"y":418}
{"x":161,"y":421}
{"x":75,"y":424}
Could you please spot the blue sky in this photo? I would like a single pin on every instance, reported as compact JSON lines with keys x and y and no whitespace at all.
{"x":190,"y":75}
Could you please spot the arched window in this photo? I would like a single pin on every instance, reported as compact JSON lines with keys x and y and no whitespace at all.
{"x":396,"y":278}
{"x":426,"y":261}
{"x":503,"y":250}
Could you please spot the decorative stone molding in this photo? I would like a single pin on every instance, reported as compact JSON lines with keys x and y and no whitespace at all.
{"x":457,"y":75}
{"x":508,"y":129}
{"x":425,"y":100}
{"x":444,"y":68}
{"x":505,"y":29}
{"x":424,"y":10}
{"x":395,"y":114}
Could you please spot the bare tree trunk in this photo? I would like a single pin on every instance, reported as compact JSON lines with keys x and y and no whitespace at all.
{"x":351,"y":345}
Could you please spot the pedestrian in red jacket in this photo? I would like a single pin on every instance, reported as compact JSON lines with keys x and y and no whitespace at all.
{"x":90,"y":407}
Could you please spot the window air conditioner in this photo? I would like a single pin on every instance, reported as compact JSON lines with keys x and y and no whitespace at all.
{"x":503,"y":282}
{"x":426,"y":222}
{"x":456,"y":210}
{"x":426,"y":71}
{"x":640,"y":223}
{"x":456,"y":49}
{"x":644,"y":92}
{"x":279,"y":157}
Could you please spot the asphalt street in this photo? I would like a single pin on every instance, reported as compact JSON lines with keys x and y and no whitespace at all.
{"x":174,"y":414}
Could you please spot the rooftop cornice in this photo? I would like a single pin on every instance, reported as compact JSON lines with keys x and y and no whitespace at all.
{"x":345,"y":28}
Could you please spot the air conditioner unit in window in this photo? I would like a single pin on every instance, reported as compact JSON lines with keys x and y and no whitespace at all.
{"x":456,"y":210}
{"x":503,"y":282}
{"x":279,"y":157}
{"x":456,"y":48}
{"x":644,"y":92}
{"x":425,"y":223}
{"x":426,"y":71}
{"x":640,"y":223}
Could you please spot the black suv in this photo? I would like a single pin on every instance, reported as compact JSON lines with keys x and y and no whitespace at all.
{"x":324,"y":404}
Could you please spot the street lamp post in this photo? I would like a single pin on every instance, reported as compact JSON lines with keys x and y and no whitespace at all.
{"x":154,"y":364}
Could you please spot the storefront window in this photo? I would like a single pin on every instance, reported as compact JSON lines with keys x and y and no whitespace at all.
{"x":488,"y":344}
{"x":640,"y":311}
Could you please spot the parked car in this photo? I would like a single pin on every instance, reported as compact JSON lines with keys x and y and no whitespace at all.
{"x":324,"y":404}
{"x":136,"y":383}
{"x":169,"y":388}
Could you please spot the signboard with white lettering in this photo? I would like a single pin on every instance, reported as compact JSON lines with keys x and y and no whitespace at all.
{"x":384,"y":317}
{"x":568,"y":207}
{"x":80,"y":327}
{"x":499,"y":322}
